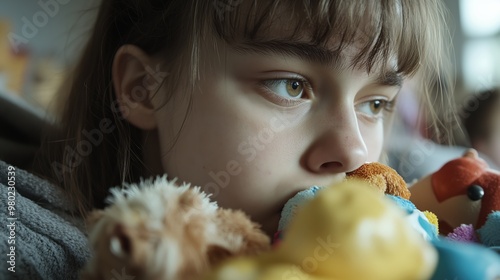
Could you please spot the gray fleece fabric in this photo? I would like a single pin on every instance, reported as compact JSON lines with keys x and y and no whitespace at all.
{"x":39,"y":237}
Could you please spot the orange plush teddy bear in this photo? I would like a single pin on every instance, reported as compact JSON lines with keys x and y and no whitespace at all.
{"x":388,"y":181}
{"x":382,"y":177}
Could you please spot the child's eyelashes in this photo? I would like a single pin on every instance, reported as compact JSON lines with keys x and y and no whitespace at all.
{"x":294,"y":90}
{"x":375,"y":108}
{"x":286,"y":91}
{"x":287,"y":88}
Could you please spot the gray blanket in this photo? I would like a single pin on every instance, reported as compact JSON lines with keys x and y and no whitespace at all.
{"x":40,"y":239}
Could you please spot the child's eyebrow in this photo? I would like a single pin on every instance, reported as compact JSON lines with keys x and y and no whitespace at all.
{"x":390,"y":78}
{"x":310,"y":53}
{"x":304,"y":51}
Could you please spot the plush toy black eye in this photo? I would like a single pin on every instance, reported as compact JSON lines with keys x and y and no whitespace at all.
{"x":475,"y":192}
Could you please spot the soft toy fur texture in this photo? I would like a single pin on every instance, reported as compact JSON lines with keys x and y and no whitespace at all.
{"x":157,"y":230}
{"x":382,"y":177}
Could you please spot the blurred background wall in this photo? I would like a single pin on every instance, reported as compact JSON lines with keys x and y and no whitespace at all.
{"x":39,"y":40}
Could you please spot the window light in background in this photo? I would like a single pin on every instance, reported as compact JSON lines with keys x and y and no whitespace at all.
{"x":480,"y":17}
{"x":481,"y":63}
{"x":480,"y":20}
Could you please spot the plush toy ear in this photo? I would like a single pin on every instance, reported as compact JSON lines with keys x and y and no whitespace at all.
{"x":471,"y":153}
{"x":120,"y":244}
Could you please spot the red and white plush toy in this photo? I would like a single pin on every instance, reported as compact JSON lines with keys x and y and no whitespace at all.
{"x":465,"y":196}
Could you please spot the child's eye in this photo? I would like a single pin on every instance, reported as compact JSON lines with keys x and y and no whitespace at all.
{"x":287,"y":88}
{"x":374,"y":107}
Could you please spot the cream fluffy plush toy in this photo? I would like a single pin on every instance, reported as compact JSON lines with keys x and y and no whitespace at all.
{"x":158,"y":230}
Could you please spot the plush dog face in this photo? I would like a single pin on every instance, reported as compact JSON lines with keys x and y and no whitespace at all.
{"x":153,"y":233}
{"x":164,"y":231}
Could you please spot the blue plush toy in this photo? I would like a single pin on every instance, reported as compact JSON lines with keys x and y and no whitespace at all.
{"x":490,"y":231}
{"x":459,"y":260}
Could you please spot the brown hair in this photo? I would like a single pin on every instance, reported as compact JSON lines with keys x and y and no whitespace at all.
{"x":411,"y":31}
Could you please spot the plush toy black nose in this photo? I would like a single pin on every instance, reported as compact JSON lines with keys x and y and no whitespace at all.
{"x":475,"y":192}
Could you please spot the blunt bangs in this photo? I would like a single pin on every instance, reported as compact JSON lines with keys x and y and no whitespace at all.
{"x":405,"y":31}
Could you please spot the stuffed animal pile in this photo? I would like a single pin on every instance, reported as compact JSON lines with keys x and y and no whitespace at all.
{"x":362,"y":228}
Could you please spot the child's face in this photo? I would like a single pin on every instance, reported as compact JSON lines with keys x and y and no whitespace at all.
{"x":263,"y":125}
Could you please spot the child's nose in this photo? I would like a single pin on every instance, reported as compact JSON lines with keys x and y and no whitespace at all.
{"x":338,"y":148}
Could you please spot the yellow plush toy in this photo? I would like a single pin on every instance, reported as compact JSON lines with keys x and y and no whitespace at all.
{"x":347,"y":231}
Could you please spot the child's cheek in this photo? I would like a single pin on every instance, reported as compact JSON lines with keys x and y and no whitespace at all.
{"x":373,"y":136}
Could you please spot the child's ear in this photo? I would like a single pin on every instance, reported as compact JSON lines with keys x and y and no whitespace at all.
{"x":134,"y":84}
